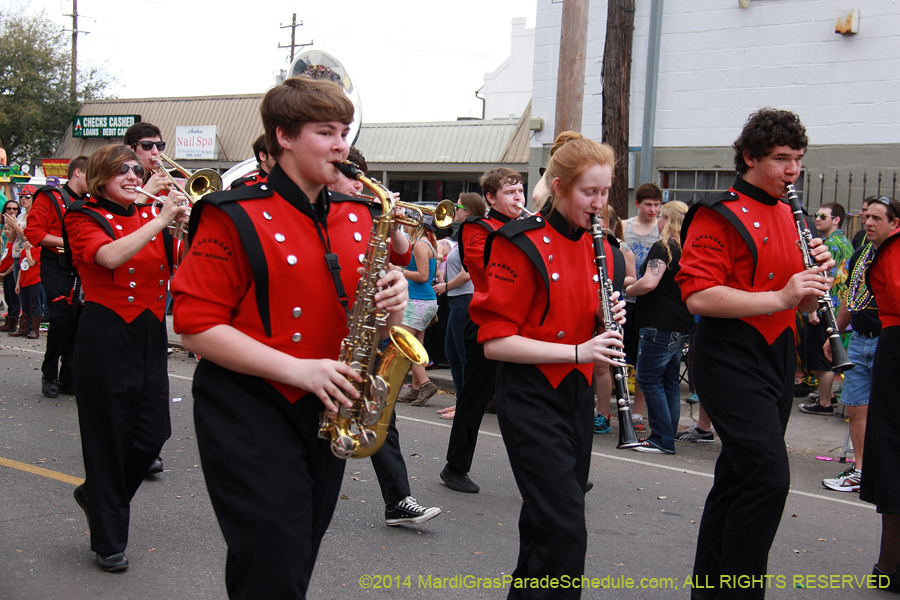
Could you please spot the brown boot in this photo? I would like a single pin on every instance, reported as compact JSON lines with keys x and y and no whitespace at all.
{"x":22,"y":331}
{"x":35,"y":329}
{"x":10,"y":324}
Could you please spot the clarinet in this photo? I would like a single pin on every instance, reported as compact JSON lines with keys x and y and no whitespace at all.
{"x":840,"y":360}
{"x":627,"y":436}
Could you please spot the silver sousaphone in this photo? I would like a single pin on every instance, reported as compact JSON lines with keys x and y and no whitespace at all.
{"x":318,"y":65}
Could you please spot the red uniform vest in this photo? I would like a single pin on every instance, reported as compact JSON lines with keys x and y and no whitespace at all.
{"x":472,"y":236}
{"x":883,"y":278}
{"x":541,"y":285}
{"x":256,"y":263}
{"x":135,"y":286}
{"x":743,"y":239}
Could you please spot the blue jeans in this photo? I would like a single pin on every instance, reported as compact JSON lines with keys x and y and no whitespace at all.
{"x":858,"y":380}
{"x":658,"y":365}
{"x":454,"y":342}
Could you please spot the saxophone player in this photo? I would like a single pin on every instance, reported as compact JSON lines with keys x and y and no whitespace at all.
{"x":263,"y":298}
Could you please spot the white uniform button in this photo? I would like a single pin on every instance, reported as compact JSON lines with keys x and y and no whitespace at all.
{"x":296,"y":338}
{"x":771,"y":275}
{"x":131,"y":298}
{"x":596,"y":278}
{"x":550,"y":258}
{"x":292,"y":260}
{"x":161,"y":282}
{"x":162,"y":267}
{"x":357,"y":236}
{"x":538,"y":219}
{"x":263,"y":187}
{"x":119,"y":227}
{"x":561,"y":335}
{"x":744,"y":208}
{"x":353,"y":218}
{"x":279,"y":237}
{"x":756,"y":225}
{"x":130,"y":270}
{"x":108,"y":216}
{"x":297,"y":312}
{"x":132,"y":285}
{"x":145,"y":215}
{"x":765,"y":240}
{"x":546,"y":240}
{"x":555,"y":277}
{"x":153,"y":239}
{"x":160,"y":298}
{"x":362,"y":259}
{"x":267,"y":216}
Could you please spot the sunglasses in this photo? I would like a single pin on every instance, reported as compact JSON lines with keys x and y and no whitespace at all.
{"x":887,"y":202}
{"x":11,"y":209}
{"x":136,"y":169}
{"x":461,"y":207}
{"x":148,"y":145}
{"x":822,"y":216}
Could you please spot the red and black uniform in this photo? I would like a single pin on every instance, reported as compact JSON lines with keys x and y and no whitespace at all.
{"x":59,"y":281}
{"x":122,"y":388}
{"x":542,"y":284}
{"x":252,"y":179}
{"x":257,"y":263}
{"x":880,"y":483}
{"x":478,"y":377}
{"x":744,"y":375}
{"x":30,"y":295}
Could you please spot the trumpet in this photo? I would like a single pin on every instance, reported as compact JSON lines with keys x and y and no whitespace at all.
{"x":179,"y":230}
{"x":416,"y":216}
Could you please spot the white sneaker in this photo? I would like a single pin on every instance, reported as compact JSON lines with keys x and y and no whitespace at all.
{"x":848,"y":481}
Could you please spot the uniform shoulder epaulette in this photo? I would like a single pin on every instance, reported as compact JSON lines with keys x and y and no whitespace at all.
{"x":248,"y":180}
{"x":710,"y":200}
{"x":518,"y":226}
{"x":246,"y":192}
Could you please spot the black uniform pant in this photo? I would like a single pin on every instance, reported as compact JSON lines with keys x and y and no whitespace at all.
{"x":746,"y":387}
{"x":123,"y":411}
{"x":63,"y":315}
{"x":477,"y":391}
{"x":548,"y":436}
{"x":272,"y":482}
{"x":390,"y":468}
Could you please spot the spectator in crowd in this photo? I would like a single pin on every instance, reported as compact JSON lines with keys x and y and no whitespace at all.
{"x":3,"y":158}
{"x":28,"y":287}
{"x":859,"y":309}
{"x":829,"y":220}
{"x":18,"y":224}
{"x":880,"y":483}
{"x":860,"y":237}
{"x":10,"y":208}
{"x":641,"y":232}
{"x":665,"y":323}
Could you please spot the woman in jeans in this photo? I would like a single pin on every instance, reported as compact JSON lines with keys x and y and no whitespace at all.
{"x":459,"y":290}
{"x":665,"y":323}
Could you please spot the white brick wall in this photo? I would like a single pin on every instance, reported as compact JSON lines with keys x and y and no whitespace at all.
{"x":719,"y":63}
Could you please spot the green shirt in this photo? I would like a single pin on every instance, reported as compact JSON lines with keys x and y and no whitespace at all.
{"x":841,"y":250}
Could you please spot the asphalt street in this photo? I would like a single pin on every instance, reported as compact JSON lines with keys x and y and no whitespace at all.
{"x":642,"y":514}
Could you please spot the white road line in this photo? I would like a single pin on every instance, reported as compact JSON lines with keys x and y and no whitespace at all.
{"x":859,"y":504}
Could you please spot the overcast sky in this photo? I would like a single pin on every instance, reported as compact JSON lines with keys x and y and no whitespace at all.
{"x":412,"y":60}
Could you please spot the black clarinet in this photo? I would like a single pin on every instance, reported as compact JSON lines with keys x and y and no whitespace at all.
{"x":627,"y":436}
{"x":840,"y":361}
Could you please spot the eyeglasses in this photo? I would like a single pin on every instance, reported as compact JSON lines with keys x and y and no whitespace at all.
{"x":148,"y":145}
{"x":136,"y":169}
{"x":823,"y":216}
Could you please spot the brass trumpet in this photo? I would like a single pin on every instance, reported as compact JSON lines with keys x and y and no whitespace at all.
{"x":179,"y":230}
{"x":415,"y":215}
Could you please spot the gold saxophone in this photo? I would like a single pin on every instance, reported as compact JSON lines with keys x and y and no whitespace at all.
{"x":359,"y":432}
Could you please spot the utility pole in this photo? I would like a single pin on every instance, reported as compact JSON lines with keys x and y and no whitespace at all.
{"x":294,"y":25}
{"x":616,"y":95}
{"x":73,"y":86}
{"x":570,"y":77}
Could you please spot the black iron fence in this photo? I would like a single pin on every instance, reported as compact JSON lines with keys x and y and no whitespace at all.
{"x":847,"y":189}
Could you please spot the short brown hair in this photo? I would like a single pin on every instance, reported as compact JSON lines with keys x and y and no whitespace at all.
{"x":139,"y":131}
{"x":492,"y":181}
{"x":648,"y":191}
{"x":76,"y":163}
{"x":301,"y":100}
{"x":357,"y":158}
{"x":104,"y":165}
{"x":473,"y":203}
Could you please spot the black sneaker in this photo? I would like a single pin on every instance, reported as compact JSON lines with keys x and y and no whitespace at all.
{"x":49,"y":388}
{"x":82,"y":500}
{"x":458,"y":481}
{"x":408,"y":512}
{"x":802,"y":389}
{"x":817,"y":409}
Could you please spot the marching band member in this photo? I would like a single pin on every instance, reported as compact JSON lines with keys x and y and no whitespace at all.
{"x":122,"y":388}
{"x":879,"y":483}
{"x":261,"y":297}
{"x":145,"y":139}
{"x":45,"y":230}
{"x":742,"y":273}
{"x":264,"y":165}
{"x":538,"y":319}
{"x":503,"y":190}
